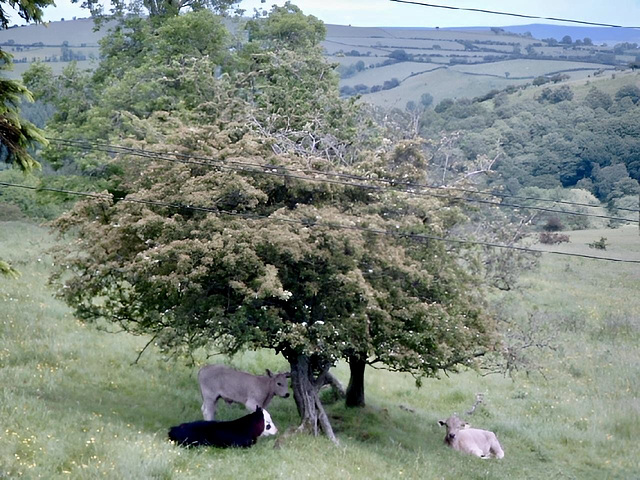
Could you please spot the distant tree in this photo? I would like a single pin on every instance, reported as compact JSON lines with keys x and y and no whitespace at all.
{"x":540,"y":80}
{"x":598,"y":99}
{"x":347,"y":91}
{"x":587,"y":41}
{"x":287,"y":26}
{"x":629,"y":91}
{"x":400,"y":55}
{"x":389,"y":84}
{"x":497,"y":30}
{"x":557,"y":95}
{"x":553,"y":225}
{"x":444,"y":105}
{"x":566,"y":40}
{"x":426,"y":99}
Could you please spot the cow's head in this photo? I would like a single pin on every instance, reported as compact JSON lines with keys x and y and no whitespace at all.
{"x":269,"y":426}
{"x":454,"y":425}
{"x":279,"y":382}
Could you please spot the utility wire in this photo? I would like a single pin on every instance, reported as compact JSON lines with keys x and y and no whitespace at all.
{"x":88,"y":145}
{"x":412,"y":236}
{"x":519,"y":15}
{"x":280,"y":171}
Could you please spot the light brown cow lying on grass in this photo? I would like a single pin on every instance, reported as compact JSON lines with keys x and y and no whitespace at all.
{"x":460,"y":436}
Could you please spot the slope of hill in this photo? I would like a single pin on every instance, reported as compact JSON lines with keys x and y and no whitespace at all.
{"x":390,"y":66}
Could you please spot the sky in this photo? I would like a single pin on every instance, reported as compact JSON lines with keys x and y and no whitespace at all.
{"x":391,"y":14}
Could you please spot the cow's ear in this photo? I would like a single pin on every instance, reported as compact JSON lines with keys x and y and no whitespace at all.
{"x":269,"y":373}
{"x":442,"y":423}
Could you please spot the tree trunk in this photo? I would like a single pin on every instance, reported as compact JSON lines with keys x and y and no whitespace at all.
{"x":355,"y":390}
{"x":306,"y":387}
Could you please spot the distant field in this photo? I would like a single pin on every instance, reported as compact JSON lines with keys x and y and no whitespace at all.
{"x":333,"y":46}
{"x":400,"y":43}
{"x":623,"y":243}
{"x":438,"y":47}
{"x":441,"y":84}
{"x":526,"y":68}
{"x":75,"y":32}
{"x":57,"y":67}
{"x":373,"y":76}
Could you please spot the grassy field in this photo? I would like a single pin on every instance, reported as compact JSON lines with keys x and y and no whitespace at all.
{"x":73,"y":405}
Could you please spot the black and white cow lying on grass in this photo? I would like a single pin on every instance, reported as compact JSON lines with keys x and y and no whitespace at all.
{"x":242,"y":432}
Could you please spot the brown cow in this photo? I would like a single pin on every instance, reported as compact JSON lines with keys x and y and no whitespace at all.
{"x":220,"y":381}
{"x":481,"y":443}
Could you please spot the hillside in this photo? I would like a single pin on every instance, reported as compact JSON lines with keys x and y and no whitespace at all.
{"x":391,"y":66}
{"x":74,"y":405}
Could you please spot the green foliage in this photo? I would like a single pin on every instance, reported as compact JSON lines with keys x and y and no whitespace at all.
{"x":17,"y":135}
{"x":631,"y":92}
{"x":29,"y":10}
{"x":40,"y":205}
{"x":599,"y":244}
{"x":560,"y":94}
{"x":232,"y":283}
{"x":156,"y":9}
{"x":286,"y":27}
{"x":598,"y":99}
{"x":554,"y":142}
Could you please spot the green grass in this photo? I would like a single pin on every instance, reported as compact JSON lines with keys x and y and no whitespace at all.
{"x":74,"y":406}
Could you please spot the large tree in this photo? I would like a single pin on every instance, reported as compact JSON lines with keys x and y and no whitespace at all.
{"x":315,"y":270}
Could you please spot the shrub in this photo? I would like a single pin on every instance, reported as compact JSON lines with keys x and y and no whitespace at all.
{"x":599,"y":244}
{"x":553,"y":225}
{"x":549,"y":238}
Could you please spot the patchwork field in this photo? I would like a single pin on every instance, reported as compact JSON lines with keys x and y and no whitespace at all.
{"x":75,"y":405}
{"x":484,"y":55}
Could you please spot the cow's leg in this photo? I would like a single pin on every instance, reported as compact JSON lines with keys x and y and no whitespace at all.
{"x":251,"y":405}
{"x":209,"y":407}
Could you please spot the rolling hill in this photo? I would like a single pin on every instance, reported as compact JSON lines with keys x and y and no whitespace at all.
{"x":392,"y":66}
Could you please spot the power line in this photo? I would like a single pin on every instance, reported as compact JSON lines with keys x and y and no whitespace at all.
{"x":412,"y":236}
{"x":395,"y":183}
{"x":519,"y":15}
{"x":277,"y":170}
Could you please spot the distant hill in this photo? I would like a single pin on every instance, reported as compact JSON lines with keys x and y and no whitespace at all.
{"x":391,"y":66}
{"x":599,"y":35}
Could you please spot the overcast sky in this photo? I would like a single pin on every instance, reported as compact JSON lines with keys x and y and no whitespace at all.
{"x":391,"y":14}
